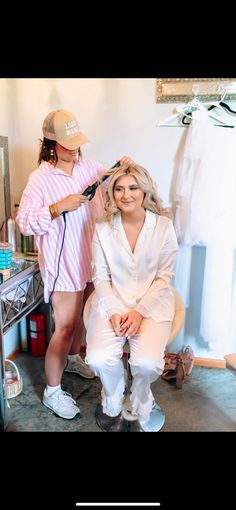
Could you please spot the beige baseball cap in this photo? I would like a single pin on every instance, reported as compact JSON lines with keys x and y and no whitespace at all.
{"x":62,"y":127}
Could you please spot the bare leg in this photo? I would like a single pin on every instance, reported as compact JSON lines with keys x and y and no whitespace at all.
{"x":67,"y":307}
{"x":79,"y":328}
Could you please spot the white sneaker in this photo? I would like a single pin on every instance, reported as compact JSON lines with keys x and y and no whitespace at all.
{"x":79,"y":367}
{"x":61,"y":403}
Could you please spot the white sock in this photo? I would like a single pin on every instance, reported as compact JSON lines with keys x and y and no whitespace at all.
{"x":52,"y":389}
{"x":72,"y":357}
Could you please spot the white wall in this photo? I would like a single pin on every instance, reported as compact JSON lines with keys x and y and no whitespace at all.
{"x":119,"y":115}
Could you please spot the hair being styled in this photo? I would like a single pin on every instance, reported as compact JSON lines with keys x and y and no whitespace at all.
{"x":48,"y":151}
{"x":151,"y":201}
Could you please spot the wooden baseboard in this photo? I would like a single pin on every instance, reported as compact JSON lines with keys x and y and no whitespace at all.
{"x":14,"y":354}
{"x":208,"y":362}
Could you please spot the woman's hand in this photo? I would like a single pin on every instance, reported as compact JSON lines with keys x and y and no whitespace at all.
{"x":125,"y":160}
{"x":115,"y":322}
{"x":71,"y":203}
{"x":130,"y":323}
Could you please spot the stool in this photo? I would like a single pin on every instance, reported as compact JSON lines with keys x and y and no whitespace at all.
{"x":157,"y":416}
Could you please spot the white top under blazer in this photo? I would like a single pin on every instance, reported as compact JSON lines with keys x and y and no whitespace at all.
{"x":139,"y":280}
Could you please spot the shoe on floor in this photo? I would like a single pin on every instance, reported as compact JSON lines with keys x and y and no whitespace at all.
{"x":110,"y":423}
{"x":61,"y":403}
{"x":79,"y":367}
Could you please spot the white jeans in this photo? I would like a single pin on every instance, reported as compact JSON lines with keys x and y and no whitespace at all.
{"x":104,"y":356}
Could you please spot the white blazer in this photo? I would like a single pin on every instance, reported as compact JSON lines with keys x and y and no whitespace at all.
{"x":140,"y":280}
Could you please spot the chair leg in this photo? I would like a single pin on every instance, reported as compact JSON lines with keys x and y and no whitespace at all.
{"x":128,"y":374}
{"x":126,"y":408}
{"x":157,"y":415}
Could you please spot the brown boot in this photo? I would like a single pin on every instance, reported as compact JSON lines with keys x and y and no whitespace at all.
{"x":177,"y":366}
{"x":178,"y":374}
{"x":187,"y":356}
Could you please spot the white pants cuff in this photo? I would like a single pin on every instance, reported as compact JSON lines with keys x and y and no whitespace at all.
{"x":112,"y":405}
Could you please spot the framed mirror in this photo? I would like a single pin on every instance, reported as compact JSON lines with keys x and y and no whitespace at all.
{"x":183,"y":90}
{"x":5,"y":196}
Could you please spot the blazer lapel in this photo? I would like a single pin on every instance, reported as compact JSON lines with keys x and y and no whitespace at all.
{"x":149,"y":223}
{"x":120,"y":233}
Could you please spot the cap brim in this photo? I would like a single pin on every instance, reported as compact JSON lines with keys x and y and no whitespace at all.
{"x":75,"y":142}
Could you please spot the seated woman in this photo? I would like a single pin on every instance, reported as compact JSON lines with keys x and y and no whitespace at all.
{"x":134,"y":251}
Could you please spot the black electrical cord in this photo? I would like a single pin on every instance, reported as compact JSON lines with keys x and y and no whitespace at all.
{"x":59,"y":258}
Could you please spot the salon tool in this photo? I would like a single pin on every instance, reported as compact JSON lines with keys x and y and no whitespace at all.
{"x":11,"y":232}
{"x":91,"y":190}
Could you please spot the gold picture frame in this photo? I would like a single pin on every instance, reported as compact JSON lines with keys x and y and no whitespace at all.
{"x":182,"y":90}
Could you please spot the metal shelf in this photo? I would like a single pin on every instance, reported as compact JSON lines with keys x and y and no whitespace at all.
{"x":20,"y":293}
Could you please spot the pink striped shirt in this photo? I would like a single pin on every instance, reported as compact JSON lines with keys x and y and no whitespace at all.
{"x":47,"y":185}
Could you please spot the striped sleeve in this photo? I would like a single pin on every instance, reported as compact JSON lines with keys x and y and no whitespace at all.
{"x":33,"y":216}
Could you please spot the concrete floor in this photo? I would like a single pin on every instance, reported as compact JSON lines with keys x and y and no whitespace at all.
{"x":207,"y":401}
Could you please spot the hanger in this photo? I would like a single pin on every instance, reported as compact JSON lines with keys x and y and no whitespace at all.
{"x":180,"y":110}
{"x":168,"y":119}
{"x":221,"y":105}
{"x":227,"y":107}
{"x":186,"y":111}
{"x":199,"y":105}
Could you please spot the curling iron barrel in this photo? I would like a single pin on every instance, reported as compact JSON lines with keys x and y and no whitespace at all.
{"x":90,"y":190}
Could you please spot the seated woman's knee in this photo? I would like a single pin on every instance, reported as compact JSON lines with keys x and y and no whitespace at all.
{"x":96,"y":360}
{"x":100,"y":360}
{"x":148,"y":366}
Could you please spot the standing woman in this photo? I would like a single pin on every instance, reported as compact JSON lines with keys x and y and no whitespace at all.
{"x":64,"y":245}
{"x":134,"y":251}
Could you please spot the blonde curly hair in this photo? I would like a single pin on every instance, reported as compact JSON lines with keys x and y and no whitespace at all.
{"x":151,"y":201}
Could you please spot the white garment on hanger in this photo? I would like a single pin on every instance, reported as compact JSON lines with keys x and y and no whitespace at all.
{"x":206,"y":185}
{"x":205,"y":196}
